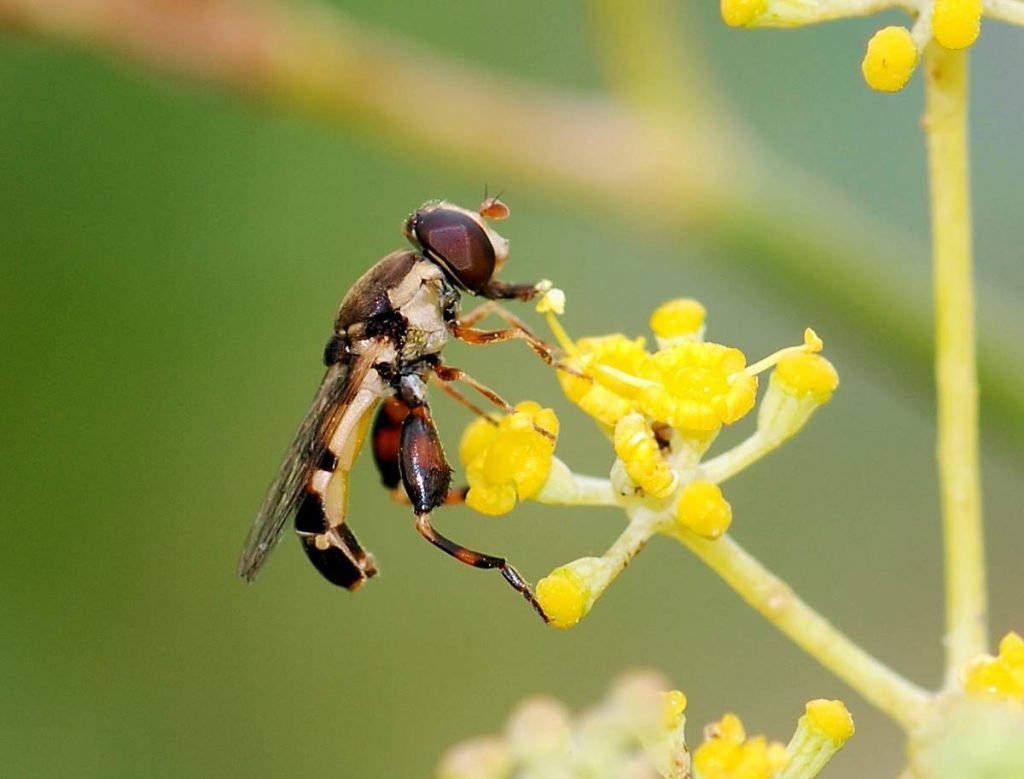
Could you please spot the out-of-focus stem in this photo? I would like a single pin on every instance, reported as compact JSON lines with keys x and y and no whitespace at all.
{"x":955,"y":367}
{"x":881,"y":686}
{"x":762,"y":217}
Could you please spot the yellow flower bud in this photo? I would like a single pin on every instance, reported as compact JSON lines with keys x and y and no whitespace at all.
{"x":477,"y":437}
{"x":509,"y":460}
{"x":956,"y":24}
{"x":703,"y":510}
{"x":831,"y":718}
{"x":673,"y":707}
{"x":727,"y":753}
{"x":890,"y":59}
{"x":565,"y":594}
{"x":741,"y":13}
{"x":696,"y":386}
{"x":800,"y":384}
{"x":646,"y":466}
{"x":678,"y":320}
{"x":1001,"y":677}
{"x":808,"y":374}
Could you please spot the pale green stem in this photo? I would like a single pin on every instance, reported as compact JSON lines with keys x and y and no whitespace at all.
{"x":565,"y":488}
{"x":739,"y":458}
{"x":1006,"y":10}
{"x":638,"y":532}
{"x":891,"y":693}
{"x":955,"y":361}
{"x":797,"y":13}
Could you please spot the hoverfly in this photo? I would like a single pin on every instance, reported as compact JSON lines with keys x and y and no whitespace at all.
{"x":388,"y":335}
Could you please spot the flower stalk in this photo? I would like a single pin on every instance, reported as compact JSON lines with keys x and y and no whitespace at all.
{"x":884,"y":688}
{"x":946,"y":129}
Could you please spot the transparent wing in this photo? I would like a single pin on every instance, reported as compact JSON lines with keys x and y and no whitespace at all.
{"x":339,"y":386}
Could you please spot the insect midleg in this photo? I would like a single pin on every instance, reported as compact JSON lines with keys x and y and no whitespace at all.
{"x":447,"y":374}
{"x":426,"y":477}
{"x":458,"y":397}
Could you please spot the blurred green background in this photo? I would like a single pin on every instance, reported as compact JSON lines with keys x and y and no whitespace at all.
{"x":170,"y":262}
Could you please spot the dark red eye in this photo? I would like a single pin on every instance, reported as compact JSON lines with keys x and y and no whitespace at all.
{"x":457,"y":243}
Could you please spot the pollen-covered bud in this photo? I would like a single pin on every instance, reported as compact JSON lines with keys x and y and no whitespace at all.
{"x":645,"y":464}
{"x":821,"y":732}
{"x":956,"y":24}
{"x":566,"y":594}
{"x":678,"y":320}
{"x":742,"y":13}
{"x":1000,"y":677}
{"x":890,"y":59}
{"x":799,"y":385}
{"x":510,"y":460}
{"x":696,"y":386}
{"x":702,"y":509}
{"x":727,"y":753}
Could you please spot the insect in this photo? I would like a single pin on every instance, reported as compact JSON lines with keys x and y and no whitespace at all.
{"x":388,"y":335}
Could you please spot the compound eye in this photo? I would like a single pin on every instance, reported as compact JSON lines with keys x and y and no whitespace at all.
{"x":458,"y":244}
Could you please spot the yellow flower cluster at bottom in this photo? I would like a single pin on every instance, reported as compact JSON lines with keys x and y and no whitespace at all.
{"x":1000,"y":677}
{"x":729,"y":754}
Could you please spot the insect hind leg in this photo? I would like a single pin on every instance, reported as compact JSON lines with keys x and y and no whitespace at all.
{"x":478,"y":560}
{"x":426,"y":478}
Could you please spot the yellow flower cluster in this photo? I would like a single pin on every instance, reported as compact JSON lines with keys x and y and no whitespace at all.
{"x":1000,"y":677}
{"x":893,"y":52}
{"x":662,"y":410}
{"x":510,"y":459}
{"x":638,"y":731}
{"x":689,"y":384}
{"x":727,"y":753}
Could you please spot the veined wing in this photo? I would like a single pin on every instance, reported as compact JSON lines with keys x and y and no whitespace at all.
{"x":340,"y":385}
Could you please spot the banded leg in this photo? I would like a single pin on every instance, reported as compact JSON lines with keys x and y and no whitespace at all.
{"x":426,"y":477}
